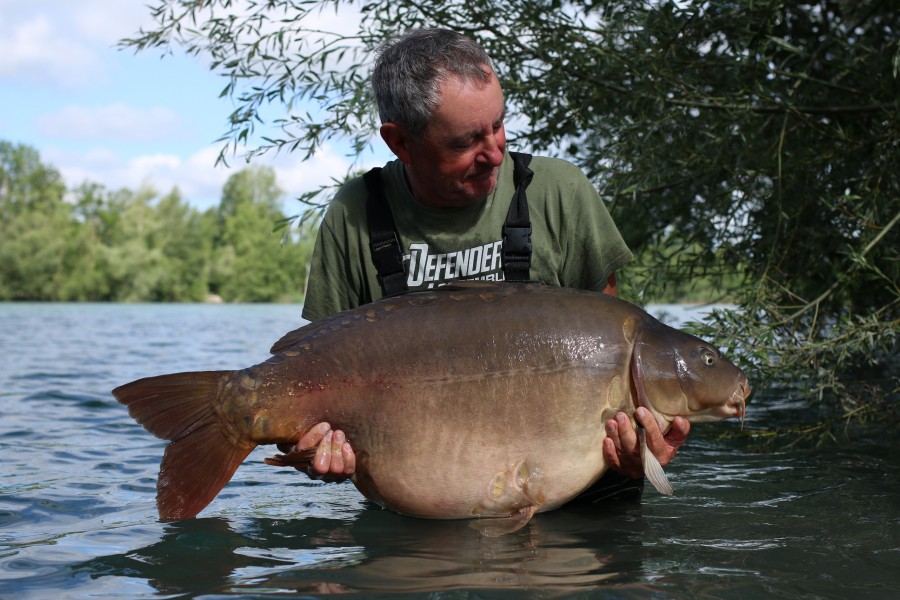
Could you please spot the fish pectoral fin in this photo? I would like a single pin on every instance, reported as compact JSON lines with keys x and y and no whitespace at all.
{"x":495,"y":527}
{"x":300,"y":460}
{"x":652,"y":469}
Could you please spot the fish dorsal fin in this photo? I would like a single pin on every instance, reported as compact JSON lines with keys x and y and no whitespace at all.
{"x":288,"y":340}
{"x":652,"y":469}
{"x":312,"y":331}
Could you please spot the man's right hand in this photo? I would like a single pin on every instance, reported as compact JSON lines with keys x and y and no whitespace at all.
{"x":334,"y":459}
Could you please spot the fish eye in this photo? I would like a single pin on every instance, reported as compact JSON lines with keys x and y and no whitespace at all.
{"x":708,"y":357}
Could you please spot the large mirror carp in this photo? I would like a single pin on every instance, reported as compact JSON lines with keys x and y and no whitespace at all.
{"x":472,"y":401}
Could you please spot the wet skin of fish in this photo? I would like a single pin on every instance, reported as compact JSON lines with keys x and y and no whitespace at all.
{"x":475,"y":400}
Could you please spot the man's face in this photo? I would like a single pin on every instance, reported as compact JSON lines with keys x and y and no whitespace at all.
{"x":457,"y":159}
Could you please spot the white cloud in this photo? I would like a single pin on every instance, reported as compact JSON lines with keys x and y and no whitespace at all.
{"x":112,"y":122}
{"x":35,"y":51}
{"x":64,"y":43}
{"x":197,"y":178}
{"x":296,"y":176}
{"x":107,"y":21}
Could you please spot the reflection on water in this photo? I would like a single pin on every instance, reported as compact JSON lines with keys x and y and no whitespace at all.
{"x":77,"y":487}
{"x":380,"y":552}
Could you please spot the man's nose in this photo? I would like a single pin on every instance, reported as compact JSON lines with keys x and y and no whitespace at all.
{"x":492,"y":151}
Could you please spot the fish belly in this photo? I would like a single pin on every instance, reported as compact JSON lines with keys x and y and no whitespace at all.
{"x":483,"y":447}
{"x":461,"y":404}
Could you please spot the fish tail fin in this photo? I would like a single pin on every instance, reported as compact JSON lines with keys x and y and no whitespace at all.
{"x":201,"y":459}
{"x":194,"y":470}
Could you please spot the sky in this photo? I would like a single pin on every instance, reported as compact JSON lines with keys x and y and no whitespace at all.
{"x":102,"y":114}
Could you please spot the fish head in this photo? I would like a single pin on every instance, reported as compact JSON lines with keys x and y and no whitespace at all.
{"x":678,"y":374}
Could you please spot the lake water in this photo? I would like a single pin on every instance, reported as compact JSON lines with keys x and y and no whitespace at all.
{"x":78,"y":519}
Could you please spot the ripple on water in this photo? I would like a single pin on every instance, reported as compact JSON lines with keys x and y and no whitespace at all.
{"x":53,"y":508}
{"x":45,"y":376}
{"x":70,"y":399}
{"x":16,"y":436}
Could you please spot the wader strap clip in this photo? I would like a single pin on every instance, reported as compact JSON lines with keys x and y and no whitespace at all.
{"x":517,"y":229}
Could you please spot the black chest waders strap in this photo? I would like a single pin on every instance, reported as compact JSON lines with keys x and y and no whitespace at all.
{"x":517,"y":229}
{"x":385,"y":244}
{"x":383,"y":241}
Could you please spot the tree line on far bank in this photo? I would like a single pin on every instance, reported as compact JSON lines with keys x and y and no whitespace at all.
{"x":90,"y":243}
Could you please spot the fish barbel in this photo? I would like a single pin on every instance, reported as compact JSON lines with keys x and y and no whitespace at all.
{"x":474,"y":400}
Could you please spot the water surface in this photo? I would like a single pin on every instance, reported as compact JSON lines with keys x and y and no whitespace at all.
{"x":78,"y":476}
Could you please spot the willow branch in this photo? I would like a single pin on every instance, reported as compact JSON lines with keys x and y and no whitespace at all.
{"x":834,"y":286}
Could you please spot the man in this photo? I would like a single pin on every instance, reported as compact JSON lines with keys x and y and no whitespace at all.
{"x":448,"y":198}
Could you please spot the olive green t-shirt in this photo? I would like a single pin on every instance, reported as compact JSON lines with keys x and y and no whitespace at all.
{"x":574,"y":240}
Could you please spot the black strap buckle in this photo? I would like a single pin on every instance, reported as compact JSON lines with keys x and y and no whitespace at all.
{"x":517,"y":229}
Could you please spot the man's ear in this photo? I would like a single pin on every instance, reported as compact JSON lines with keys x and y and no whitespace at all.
{"x":397,"y":139}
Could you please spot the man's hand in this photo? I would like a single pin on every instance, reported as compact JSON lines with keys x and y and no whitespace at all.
{"x":334,"y":459}
{"x":622,"y":450}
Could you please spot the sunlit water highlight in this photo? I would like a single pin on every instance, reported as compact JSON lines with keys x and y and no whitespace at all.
{"x":77,"y":488}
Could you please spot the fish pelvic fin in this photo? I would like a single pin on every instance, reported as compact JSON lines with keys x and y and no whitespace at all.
{"x":201,"y":459}
{"x":652,"y":469}
{"x":497,"y":526}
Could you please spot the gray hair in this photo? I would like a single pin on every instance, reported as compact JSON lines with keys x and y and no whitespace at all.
{"x":410,"y":69}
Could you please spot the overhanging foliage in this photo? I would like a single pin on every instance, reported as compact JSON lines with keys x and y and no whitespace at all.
{"x":751,"y":143}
